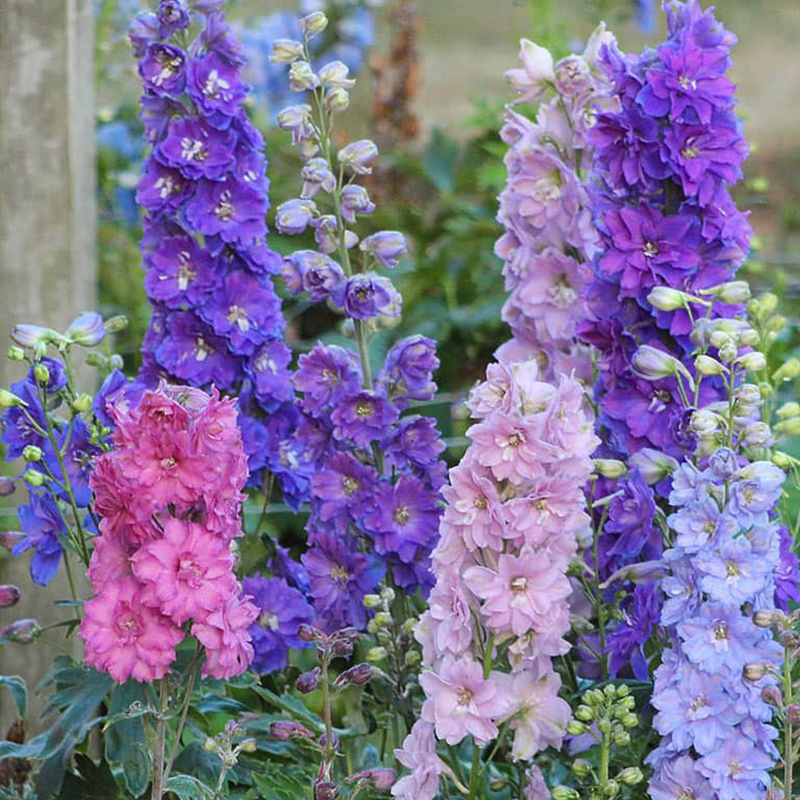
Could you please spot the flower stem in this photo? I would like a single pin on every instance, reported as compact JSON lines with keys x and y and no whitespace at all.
{"x":160,"y":743}
{"x":788,"y":737}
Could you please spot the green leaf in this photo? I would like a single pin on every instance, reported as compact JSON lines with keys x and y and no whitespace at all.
{"x":282,"y":781}
{"x":16,"y":686}
{"x":440,"y":161}
{"x":90,"y":780}
{"x":187,"y":787}
{"x":125,"y":739}
{"x":290,"y":705}
{"x":198,"y":763}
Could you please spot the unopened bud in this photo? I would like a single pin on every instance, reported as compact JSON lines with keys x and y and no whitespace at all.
{"x":631,"y":776}
{"x":372,"y":601}
{"x":10,"y":539}
{"x":788,"y":427}
{"x":285,"y":730}
{"x":565,"y":793}
{"x":771,"y":696}
{"x":314,"y":23}
{"x":704,"y":423}
{"x":116,"y":362}
{"x":734,"y":292}
{"x":621,"y":738}
{"x":31,"y":335}
{"x":357,"y":155}
{"x":23,"y":631}
{"x":581,"y":767}
{"x":249,"y":746}
{"x":388,"y":594}
{"x":609,"y":467}
{"x":82,"y":403}
{"x":355,"y":676}
{"x":788,"y":371}
{"x":335,"y":75}
{"x":412,"y":658}
{"x":307,"y":633}
{"x":753,"y":362}
{"x":9,"y":595}
{"x":576,"y":728}
{"x":307,"y":682}
{"x":381,"y":778}
{"x":765,"y":618}
{"x":16,"y":353}
{"x":383,"y":619}
{"x":117,"y":323}
{"x":209,"y":745}
{"x":666,"y":299}
{"x":302,"y":78}
{"x":611,"y":789}
{"x":32,"y":453}
{"x":34,"y":478}
{"x":325,"y":790}
{"x":757,"y":434}
{"x":584,"y":713}
{"x":7,"y":486}
{"x":41,"y":373}
{"x":654,"y":364}
{"x":9,"y":400}
{"x":285,"y":51}
{"x":788,"y":410}
{"x":768,"y":302}
{"x":754,"y":672}
{"x":87,"y":330}
{"x":782,"y":460}
{"x":706,"y":365}
{"x":337,"y":100}
{"x":376,"y":654}
{"x":793,"y":712}
{"x":776,"y":324}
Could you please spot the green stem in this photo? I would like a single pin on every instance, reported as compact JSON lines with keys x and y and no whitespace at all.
{"x":605,"y":758}
{"x":788,"y":741}
{"x":71,"y":580}
{"x":598,"y":602}
{"x":160,"y":743}
{"x":475,"y":772}
{"x":193,"y":670}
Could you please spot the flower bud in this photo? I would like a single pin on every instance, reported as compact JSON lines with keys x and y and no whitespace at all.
{"x":594,"y":697}
{"x":9,"y":400}
{"x":388,"y":247}
{"x":754,"y":672}
{"x":308,"y":633}
{"x":621,"y":738}
{"x":334,"y":75}
{"x":791,"y":409}
{"x":10,"y":539}
{"x":383,"y":619}
{"x":782,"y":460}
{"x":764,"y":618}
{"x":654,"y":364}
{"x":9,"y":595}
{"x":776,"y":324}
{"x":16,"y":353}
{"x":704,"y":423}
{"x":285,"y":51}
{"x":116,"y":362}
{"x":314,"y":23}
{"x":356,"y":155}
{"x":41,"y":373}
{"x":294,"y":216}
{"x":355,"y":676}
{"x":734,"y":292}
{"x":788,"y":371}
{"x":706,"y":365}
{"x":749,"y":337}
{"x":31,"y":335}
{"x":117,"y":323}
{"x":32,"y":453}
{"x":302,"y":78}
{"x":307,"y":682}
{"x":323,"y":740}
{"x":576,"y":728}
{"x":609,"y":467}
{"x":23,"y":631}
{"x":285,"y":730}
{"x":584,"y":713}
{"x":249,"y":746}
{"x":325,"y":790}
{"x":666,"y":299}
{"x":83,"y":402}
{"x":372,"y":601}
{"x":87,"y":330}
{"x":789,"y":427}
{"x":565,"y":793}
{"x":757,"y":434}
{"x":611,"y":789}
{"x":631,"y":776}
{"x":768,"y":302}
{"x":376,"y":654}
{"x":753,"y":362}
{"x":412,"y":658}
{"x":581,"y":767}
{"x":380,"y":778}
{"x":34,"y":478}
{"x":653,"y":465}
{"x":388,"y":594}
{"x":210,"y":744}
{"x":771,"y":696}
{"x":337,"y":100}
{"x":728,"y":352}
{"x":7,"y":486}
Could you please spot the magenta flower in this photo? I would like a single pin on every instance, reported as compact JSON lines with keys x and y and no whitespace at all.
{"x":126,"y":638}
{"x":225,"y":636}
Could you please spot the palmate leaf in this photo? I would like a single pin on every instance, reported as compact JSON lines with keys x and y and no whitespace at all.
{"x":282,"y":782}
{"x":187,"y":787}
{"x":125,"y":739}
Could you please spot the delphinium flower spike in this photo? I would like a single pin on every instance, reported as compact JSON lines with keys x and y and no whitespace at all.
{"x":375,"y":490}
{"x":208,"y":270}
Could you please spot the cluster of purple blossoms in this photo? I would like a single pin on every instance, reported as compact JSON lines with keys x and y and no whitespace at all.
{"x":545,"y":208}
{"x":717,"y":741}
{"x":216,"y":318}
{"x":664,"y":164}
{"x":376,"y":465}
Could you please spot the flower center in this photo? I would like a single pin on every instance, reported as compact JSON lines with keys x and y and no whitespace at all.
{"x":127,"y":627}
{"x":685,"y":82}
{"x":720,"y":631}
{"x":193,"y":149}
{"x":350,"y":485}
{"x":215,"y":85}
{"x":167,"y":186}
{"x":519,"y":584}
{"x":339,"y":573}
{"x":364,"y":410}
{"x":401,"y":515}
{"x":464,"y":697}
{"x":238,"y":316}
{"x":189,"y":573}
{"x":185,"y":272}
{"x":480,"y":502}
{"x":561,"y":294}
{"x":690,"y":152}
{"x":225,"y":210}
{"x":201,"y":349}
{"x":168,"y":463}
{"x":267,"y":620}
{"x":732,"y":570}
{"x":650,"y":249}
{"x":515,"y":440}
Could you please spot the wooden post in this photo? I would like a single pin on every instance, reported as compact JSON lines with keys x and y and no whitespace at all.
{"x":47,"y":235}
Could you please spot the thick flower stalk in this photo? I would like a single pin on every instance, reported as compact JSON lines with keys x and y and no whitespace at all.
{"x":169,"y":498}
{"x":499,"y":611}
{"x":722,"y":565}
{"x":549,"y":237}
{"x":376,"y":475}
{"x":216,"y":318}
